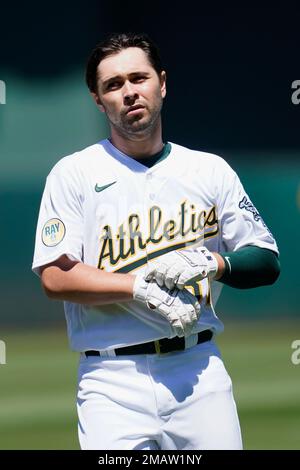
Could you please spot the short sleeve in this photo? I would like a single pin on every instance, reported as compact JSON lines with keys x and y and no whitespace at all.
{"x":240,"y":222}
{"x":60,"y":222}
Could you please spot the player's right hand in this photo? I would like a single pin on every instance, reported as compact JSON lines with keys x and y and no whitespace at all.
{"x":179,"y":307}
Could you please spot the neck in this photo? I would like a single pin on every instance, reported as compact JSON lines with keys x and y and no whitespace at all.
{"x":139,"y":144}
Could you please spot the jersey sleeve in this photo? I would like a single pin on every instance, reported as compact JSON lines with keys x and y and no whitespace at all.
{"x":240,"y":222}
{"x":60,"y":222}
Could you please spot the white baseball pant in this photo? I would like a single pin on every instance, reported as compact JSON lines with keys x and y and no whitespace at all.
{"x":176,"y":401}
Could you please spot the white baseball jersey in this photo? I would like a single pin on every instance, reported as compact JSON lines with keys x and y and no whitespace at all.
{"x":107,"y":210}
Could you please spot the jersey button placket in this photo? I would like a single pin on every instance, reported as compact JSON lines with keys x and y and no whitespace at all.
{"x":150,"y":188}
{"x":149,"y":196}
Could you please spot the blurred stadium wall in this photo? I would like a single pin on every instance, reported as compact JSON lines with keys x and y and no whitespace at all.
{"x":229,"y":92}
{"x":43,"y":122}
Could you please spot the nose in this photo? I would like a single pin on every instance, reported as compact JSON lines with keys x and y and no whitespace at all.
{"x":130,"y":94}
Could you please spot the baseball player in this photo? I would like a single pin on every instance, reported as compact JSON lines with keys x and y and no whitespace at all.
{"x":137,"y":237}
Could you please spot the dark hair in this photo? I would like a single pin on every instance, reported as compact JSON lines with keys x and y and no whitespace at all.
{"x":114,"y":44}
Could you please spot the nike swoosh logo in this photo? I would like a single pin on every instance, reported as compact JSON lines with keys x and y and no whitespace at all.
{"x":98,"y":189}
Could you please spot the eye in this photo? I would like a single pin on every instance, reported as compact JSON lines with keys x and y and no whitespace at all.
{"x":113,"y":85}
{"x":139,"y":79}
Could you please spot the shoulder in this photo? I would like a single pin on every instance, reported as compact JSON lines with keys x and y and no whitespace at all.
{"x":79,"y":161}
{"x":200,"y":160}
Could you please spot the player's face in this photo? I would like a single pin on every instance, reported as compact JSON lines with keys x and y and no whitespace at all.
{"x":130,"y":91}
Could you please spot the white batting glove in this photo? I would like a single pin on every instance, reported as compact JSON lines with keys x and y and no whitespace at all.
{"x":180,"y":308}
{"x":180,"y":268}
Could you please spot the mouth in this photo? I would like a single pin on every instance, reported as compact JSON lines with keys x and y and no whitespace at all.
{"x":137,"y":108}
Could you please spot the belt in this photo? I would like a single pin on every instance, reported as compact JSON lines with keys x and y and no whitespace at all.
{"x":161,"y":346}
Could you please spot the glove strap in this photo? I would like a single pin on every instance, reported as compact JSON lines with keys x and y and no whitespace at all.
{"x":140,"y":287}
{"x":212,"y":262}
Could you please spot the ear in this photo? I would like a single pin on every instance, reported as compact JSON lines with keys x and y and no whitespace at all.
{"x":98,"y":102}
{"x":163,"y":81}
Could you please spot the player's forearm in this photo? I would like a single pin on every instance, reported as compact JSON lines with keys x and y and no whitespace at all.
{"x":87,"y":285}
{"x":250,"y":266}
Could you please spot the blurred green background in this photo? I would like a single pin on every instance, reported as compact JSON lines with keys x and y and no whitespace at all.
{"x":38,"y":388}
{"x":245,"y":116}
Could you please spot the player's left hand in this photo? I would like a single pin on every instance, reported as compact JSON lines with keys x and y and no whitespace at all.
{"x":180,"y":268}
